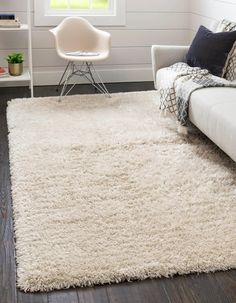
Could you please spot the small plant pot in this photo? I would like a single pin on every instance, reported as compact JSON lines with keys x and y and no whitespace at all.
{"x":15,"y":69}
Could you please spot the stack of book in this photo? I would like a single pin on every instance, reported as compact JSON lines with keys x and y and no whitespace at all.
{"x":9,"y":21}
{"x":3,"y":72}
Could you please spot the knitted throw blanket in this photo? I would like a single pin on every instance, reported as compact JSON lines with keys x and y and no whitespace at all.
{"x":179,"y":82}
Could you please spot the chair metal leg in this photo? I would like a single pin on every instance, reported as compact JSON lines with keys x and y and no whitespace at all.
{"x":90,"y":73}
{"x":69,"y":72}
{"x":100,"y":84}
{"x":86,"y":70}
{"x":62,"y":77}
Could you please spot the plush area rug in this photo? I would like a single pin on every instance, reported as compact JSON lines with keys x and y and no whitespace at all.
{"x":105,"y":190}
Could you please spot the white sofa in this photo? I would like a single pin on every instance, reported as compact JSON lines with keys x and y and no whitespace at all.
{"x":212,"y":110}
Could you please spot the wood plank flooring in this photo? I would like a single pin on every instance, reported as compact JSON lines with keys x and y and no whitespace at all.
{"x":204,"y":288}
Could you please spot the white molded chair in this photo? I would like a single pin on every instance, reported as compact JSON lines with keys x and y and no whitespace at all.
{"x":76,"y":34}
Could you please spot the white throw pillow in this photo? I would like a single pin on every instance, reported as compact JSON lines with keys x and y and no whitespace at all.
{"x":230,"y":67}
{"x":226,"y":26}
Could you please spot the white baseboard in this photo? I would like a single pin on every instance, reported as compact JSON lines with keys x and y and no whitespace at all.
{"x":108,"y":75}
{"x":52,"y":77}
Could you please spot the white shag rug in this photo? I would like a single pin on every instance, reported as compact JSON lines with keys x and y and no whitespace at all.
{"x":105,"y":190}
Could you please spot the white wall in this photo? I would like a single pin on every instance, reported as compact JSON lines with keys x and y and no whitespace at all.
{"x":207,"y":11}
{"x":148,"y":22}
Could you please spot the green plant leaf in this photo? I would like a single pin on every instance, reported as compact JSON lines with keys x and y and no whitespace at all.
{"x":15,"y":58}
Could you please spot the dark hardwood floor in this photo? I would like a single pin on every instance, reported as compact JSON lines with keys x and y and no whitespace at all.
{"x":217,"y":287}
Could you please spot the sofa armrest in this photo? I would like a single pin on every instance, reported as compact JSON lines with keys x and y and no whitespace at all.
{"x":166,"y":55}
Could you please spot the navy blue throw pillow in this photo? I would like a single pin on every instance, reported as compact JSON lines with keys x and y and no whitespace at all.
{"x":210,"y":50}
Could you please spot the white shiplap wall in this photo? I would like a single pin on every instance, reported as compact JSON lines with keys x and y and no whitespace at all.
{"x":207,"y":11}
{"x":148,"y":22}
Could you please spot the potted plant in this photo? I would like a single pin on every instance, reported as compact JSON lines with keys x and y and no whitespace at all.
{"x":15,"y":64}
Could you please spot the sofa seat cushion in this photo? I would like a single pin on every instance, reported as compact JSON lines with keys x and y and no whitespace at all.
{"x":213,"y":111}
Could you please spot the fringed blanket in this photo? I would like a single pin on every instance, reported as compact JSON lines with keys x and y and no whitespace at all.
{"x":179,"y":82}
